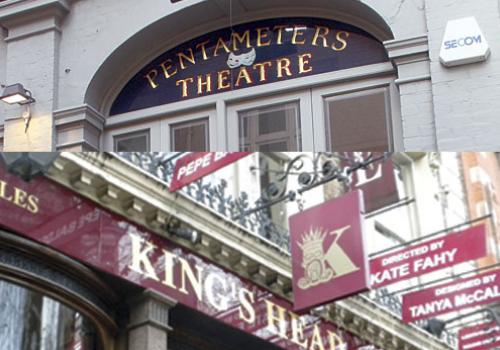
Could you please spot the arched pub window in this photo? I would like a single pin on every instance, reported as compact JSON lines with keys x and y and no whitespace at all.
{"x":30,"y":320}
{"x":288,"y":84}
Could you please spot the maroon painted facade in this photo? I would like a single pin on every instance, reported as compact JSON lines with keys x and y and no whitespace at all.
{"x":329,"y":259}
{"x":55,"y":216}
{"x":429,"y":256}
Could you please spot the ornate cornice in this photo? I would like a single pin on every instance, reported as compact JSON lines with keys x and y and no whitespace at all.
{"x":80,"y":122}
{"x":131,"y":192}
{"x":24,"y":19}
{"x":411,"y":56}
{"x":20,"y":12}
{"x":79,"y":114}
{"x":417,"y":46}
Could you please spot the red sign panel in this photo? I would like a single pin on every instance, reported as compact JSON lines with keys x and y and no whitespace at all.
{"x":481,"y":337}
{"x":377,"y":182}
{"x":328,"y":255}
{"x":429,"y":256}
{"x":478,"y":290}
{"x":199,"y":164}
{"x":57,"y":217}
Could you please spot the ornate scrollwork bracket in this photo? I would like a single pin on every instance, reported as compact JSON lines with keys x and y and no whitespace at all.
{"x":326,"y":167}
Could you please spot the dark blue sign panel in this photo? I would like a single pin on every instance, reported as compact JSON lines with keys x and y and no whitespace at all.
{"x":249,"y":55}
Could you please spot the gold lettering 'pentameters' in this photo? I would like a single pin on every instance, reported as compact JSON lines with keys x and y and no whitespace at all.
{"x":208,"y":49}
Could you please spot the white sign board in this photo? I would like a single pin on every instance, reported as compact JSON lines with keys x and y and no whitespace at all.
{"x":463,"y":43}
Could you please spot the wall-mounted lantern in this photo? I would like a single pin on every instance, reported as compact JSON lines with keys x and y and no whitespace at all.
{"x":17,"y":94}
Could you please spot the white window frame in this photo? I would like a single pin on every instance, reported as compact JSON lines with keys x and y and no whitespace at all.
{"x":168,"y":123}
{"x":321,"y":96}
{"x":306,"y":126}
{"x":196,"y":122}
{"x":152,"y":127}
{"x":160,"y":130}
{"x":121,"y":137}
{"x":222,"y":108}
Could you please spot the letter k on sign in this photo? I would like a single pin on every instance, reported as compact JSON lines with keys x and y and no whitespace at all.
{"x":329,"y":259}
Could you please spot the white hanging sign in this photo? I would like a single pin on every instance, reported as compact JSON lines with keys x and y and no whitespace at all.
{"x":463,"y":43}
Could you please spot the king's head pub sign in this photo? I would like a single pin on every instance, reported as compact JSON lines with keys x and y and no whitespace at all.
{"x":329,"y":259}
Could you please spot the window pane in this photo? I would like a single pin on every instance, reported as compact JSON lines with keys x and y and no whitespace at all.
{"x":358,"y":122}
{"x":133,"y":142}
{"x":274,"y":147}
{"x":268,"y":129}
{"x":273,"y":121}
{"x":190,"y":137}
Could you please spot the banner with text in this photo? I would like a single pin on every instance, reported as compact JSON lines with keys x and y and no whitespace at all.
{"x":481,"y":337}
{"x":329,"y":259}
{"x":199,"y":164}
{"x":464,"y":293}
{"x":428,"y":257}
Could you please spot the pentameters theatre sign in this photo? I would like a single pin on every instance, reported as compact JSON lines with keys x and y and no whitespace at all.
{"x":52,"y":215}
{"x":249,"y":55}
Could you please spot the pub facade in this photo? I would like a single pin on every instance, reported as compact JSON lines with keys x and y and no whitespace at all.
{"x":238,"y":75}
{"x":98,"y":254}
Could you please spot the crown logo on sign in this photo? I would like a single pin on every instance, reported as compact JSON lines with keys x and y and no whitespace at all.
{"x":313,"y":240}
{"x":313,"y":259}
{"x":322,"y":266}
